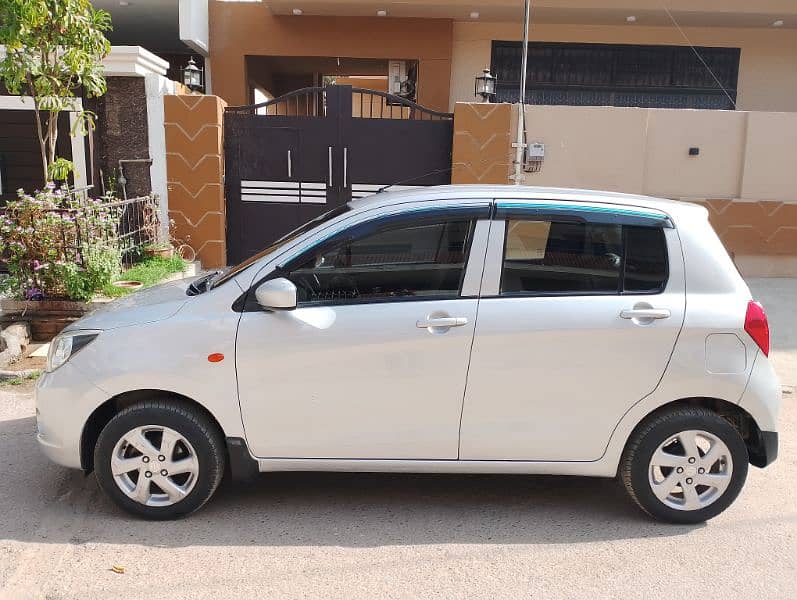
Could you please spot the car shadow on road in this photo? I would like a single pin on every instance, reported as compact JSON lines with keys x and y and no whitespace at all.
{"x":44,"y":503}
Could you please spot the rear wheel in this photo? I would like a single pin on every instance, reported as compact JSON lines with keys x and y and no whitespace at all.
{"x":159,"y":459}
{"x":685,"y":466}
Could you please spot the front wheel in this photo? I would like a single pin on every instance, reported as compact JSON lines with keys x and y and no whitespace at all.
{"x":159,"y":459}
{"x":685,"y":466}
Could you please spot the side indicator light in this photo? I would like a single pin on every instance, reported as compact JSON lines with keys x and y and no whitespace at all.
{"x":215,"y":357}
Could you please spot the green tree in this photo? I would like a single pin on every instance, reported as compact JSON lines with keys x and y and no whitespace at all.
{"x":54,"y":50}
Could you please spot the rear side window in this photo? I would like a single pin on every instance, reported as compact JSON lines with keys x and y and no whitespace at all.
{"x":582,"y":258}
{"x":416,"y":262}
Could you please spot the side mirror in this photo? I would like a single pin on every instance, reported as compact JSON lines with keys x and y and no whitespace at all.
{"x":276,"y":294}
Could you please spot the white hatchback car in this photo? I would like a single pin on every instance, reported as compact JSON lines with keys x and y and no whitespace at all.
{"x":449,"y":330}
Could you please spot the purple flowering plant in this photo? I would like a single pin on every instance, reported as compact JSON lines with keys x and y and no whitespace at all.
{"x":58,"y":245}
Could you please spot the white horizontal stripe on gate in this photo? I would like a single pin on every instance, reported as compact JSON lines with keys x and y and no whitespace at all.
{"x":314,"y":199}
{"x":264,"y":198}
{"x":280,"y":185}
{"x":314,"y":186}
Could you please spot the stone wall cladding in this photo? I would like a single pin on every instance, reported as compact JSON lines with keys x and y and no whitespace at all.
{"x":195,"y":174}
{"x":763,"y":228}
{"x":122,"y":133}
{"x":482,"y":143}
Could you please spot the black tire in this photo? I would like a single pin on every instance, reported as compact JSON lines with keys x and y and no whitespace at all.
{"x":194,"y":426}
{"x":635,"y":464}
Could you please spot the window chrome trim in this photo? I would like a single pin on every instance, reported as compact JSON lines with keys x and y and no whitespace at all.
{"x":605,"y":213}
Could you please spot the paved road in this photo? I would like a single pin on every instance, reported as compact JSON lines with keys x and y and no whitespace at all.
{"x":380,"y":536}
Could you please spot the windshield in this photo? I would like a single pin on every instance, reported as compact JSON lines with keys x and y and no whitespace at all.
{"x":226,"y":275}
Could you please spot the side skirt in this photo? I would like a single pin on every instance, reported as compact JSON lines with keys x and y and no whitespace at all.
{"x":600,"y":468}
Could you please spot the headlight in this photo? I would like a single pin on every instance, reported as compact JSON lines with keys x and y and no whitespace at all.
{"x":66,"y":345}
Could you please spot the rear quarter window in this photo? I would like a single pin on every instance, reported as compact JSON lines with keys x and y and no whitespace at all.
{"x":550,"y":257}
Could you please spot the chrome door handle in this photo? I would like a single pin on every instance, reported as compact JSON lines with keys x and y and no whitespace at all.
{"x":290,"y":166}
{"x":440,"y":322}
{"x":645,"y":313}
{"x":330,"y":166}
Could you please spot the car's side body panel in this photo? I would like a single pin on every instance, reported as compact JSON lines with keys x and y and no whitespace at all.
{"x":352,"y":379}
{"x":551,"y":376}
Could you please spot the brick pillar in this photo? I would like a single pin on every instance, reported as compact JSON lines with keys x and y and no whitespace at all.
{"x":195,"y":174}
{"x":483,"y":136}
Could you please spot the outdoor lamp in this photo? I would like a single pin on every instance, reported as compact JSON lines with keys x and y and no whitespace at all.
{"x":485,"y":86}
{"x":193,"y":76}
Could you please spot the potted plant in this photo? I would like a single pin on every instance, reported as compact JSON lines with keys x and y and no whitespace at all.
{"x":159,"y":237}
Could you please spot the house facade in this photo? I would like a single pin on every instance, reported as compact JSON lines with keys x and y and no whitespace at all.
{"x":689,"y":99}
{"x":603,"y":45}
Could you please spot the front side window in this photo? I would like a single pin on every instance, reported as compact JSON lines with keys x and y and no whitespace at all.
{"x":231,"y":272}
{"x":421,"y":261}
{"x":575,"y":257}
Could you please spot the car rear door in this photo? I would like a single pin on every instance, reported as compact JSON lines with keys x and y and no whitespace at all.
{"x":372,"y":364}
{"x":581,"y":306}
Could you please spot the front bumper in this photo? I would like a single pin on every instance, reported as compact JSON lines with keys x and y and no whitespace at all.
{"x":65,"y":399}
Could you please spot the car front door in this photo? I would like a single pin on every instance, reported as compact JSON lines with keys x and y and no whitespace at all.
{"x":580,"y":311}
{"x":373,"y":361}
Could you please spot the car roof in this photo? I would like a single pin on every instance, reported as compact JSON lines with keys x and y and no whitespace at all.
{"x":521,"y":193}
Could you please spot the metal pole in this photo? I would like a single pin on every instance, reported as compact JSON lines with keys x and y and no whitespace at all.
{"x":520,"y":143}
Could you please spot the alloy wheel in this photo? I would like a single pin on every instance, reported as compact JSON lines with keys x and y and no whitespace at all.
{"x":154,"y":465}
{"x":690,"y":470}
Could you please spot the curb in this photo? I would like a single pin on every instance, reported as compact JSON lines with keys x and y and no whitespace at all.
{"x":18,"y":374}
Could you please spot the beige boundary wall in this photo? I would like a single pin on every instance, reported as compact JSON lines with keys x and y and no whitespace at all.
{"x":745,"y":174}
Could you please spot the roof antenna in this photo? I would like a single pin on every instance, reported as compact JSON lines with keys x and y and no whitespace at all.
{"x":520,"y":143}
{"x":411,"y":179}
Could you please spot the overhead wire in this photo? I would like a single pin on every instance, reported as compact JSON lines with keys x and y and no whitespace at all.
{"x":697,"y":53}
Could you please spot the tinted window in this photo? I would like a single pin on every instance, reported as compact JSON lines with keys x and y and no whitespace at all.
{"x":645,"y":259}
{"x":283,"y":241}
{"x":561,"y":257}
{"x":552,"y":257}
{"x":409,"y":262}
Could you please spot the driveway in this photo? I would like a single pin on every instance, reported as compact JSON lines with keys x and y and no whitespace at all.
{"x":399,"y":536}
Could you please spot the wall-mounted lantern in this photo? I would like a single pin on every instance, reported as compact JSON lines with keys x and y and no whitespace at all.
{"x":485,"y":86}
{"x":193,"y":76}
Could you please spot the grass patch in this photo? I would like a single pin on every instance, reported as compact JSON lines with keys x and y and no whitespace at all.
{"x":149,"y":271}
{"x":20,"y":380}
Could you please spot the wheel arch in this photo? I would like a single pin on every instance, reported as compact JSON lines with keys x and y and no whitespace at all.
{"x":738,"y":417}
{"x":106,"y":411}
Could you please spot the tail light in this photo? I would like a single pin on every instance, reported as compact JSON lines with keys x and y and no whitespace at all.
{"x":755,"y":324}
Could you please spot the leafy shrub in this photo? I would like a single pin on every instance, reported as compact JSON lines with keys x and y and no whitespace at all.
{"x":58,"y":246}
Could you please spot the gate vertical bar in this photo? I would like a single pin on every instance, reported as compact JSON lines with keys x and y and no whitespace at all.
{"x":345,"y":116}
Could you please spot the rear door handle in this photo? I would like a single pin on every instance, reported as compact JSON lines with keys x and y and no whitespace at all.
{"x":645,"y":313}
{"x":441,"y":322}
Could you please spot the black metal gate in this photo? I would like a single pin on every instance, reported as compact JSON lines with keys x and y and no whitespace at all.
{"x":293,"y":158}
